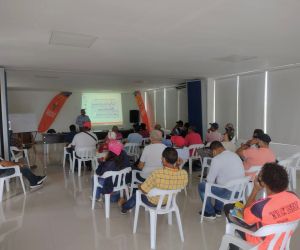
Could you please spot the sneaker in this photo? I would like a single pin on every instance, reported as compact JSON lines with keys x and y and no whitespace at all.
{"x":97,"y":200}
{"x":36,"y":185}
{"x":208,"y":216}
{"x":218,"y":213}
{"x":123,"y":211}
{"x":42,"y":178}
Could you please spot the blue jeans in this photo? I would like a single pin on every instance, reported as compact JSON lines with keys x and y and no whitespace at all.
{"x":99,"y":190}
{"x":132,"y":200}
{"x":114,"y":196}
{"x":221,"y":192}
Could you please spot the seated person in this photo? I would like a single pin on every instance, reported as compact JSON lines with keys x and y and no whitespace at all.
{"x":256,"y":133}
{"x":192,"y":137}
{"x":69,"y":136}
{"x":135,"y":137}
{"x":151,"y":156}
{"x":178,"y":129}
{"x":259,"y":155}
{"x":182,"y":150}
{"x":115,"y":129}
{"x":228,"y":144}
{"x":225,"y":166}
{"x":116,"y":159}
{"x":84,"y":139}
{"x":169,"y":177}
{"x":229,"y":131}
{"x":111,"y":136}
{"x":185,"y":129}
{"x":279,"y":206}
{"x":213,"y":134}
{"x":34,"y":180}
{"x":144,"y":131}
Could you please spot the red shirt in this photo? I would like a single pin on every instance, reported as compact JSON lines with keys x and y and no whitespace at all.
{"x":277,"y":208}
{"x":193,"y":138}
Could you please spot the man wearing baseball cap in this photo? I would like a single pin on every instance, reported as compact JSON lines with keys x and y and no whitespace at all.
{"x":81,"y":119}
{"x":259,"y":155}
{"x":213,"y":134}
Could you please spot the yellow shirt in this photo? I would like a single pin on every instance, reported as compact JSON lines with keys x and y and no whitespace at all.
{"x":165,"y":178}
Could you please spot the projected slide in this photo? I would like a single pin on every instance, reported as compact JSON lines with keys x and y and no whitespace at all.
{"x":103,"y":108}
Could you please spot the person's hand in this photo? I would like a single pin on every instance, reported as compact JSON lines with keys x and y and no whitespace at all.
{"x":179,"y":162}
{"x":257,"y":184}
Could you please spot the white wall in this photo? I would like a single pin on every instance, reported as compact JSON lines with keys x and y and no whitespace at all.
{"x":29,"y":101}
{"x":268,"y":100}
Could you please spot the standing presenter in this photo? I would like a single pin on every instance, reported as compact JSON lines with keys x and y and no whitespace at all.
{"x":81,"y":119}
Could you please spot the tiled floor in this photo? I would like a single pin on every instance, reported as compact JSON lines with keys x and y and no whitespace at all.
{"x":59,"y":216}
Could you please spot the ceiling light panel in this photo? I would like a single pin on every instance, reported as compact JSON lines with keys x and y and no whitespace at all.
{"x":71,"y":39}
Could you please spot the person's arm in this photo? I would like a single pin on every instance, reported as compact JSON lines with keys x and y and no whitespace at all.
{"x":213,"y":171}
{"x":141,"y":164}
{"x":77,"y":120}
{"x":241,"y":150}
{"x":257,"y":187}
{"x":148,"y":184}
{"x":10,"y":163}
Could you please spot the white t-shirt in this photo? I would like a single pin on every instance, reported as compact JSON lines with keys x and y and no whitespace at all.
{"x":151,"y":156}
{"x":225,"y":167}
{"x":83,"y":140}
{"x":230,"y":146}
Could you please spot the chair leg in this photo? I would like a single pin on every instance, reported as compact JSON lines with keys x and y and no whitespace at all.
{"x":79,"y":167}
{"x":136,"y":217}
{"x":64,"y":160}
{"x":127,"y":193}
{"x":1,"y":189}
{"x":185,"y":192}
{"x":7,"y":185}
{"x":27,"y":157}
{"x":190,"y":166}
{"x":153,"y":221}
{"x":179,"y":224}
{"x":203,"y":207}
{"x":170,"y":218}
{"x":22,"y":183}
{"x":94,"y":196}
{"x":107,"y":205}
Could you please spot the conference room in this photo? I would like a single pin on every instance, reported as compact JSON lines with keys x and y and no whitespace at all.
{"x":154,"y":81}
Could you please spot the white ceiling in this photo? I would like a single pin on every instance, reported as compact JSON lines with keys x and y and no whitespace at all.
{"x":144,"y":43}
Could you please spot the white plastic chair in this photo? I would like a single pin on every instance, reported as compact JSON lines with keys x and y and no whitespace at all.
{"x":277,"y":230}
{"x":237,"y":188}
{"x":194,"y":155}
{"x":205,"y":165}
{"x":132,"y":149}
{"x":168,"y":208}
{"x":294,"y":166}
{"x":134,"y":181}
{"x":119,"y":186}
{"x":83,"y":155}
{"x":66,"y":153}
{"x":145,"y":141}
{"x":5,"y":179}
{"x":19,"y":155}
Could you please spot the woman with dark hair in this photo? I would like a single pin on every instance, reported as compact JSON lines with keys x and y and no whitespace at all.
{"x":115,"y":160}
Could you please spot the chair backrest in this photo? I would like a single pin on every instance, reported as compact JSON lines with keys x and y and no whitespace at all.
{"x":145,"y":141}
{"x":206,"y":162}
{"x":132,"y":148}
{"x":170,"y":195}
{"x":237,"y":188}
{"x":120,"y":176}
{"x":277,"y":230}
{"x":193,"y":149}
{"x":86,"y":153}
{"x":254,"y":170}
{"x":14,"y":149}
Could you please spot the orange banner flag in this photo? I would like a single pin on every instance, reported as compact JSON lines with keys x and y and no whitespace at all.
{"x":143,"y":112}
